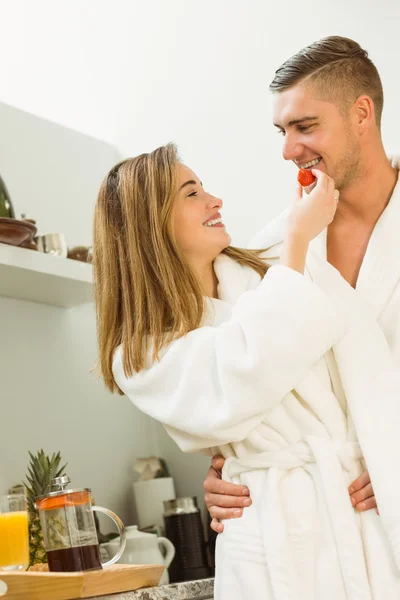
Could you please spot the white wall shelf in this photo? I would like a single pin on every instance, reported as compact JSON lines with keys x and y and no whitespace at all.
{"x":44,"y":278}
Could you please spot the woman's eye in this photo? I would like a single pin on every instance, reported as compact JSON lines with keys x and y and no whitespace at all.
{"x":192,"y":194}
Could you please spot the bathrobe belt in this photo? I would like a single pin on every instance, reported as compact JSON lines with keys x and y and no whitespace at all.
{"x":331,"y":457}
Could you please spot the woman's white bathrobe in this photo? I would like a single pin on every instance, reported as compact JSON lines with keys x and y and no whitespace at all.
{"x":260,"y":382}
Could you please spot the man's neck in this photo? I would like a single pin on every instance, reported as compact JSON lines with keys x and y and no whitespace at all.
{"x":359,"y":209}
{"x":367,"y":197}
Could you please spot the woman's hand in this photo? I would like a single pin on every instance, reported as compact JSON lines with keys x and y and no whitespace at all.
{"x":311,"y":214}
{"x":307,"y":218}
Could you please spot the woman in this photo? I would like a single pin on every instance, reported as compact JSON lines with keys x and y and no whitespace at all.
{"x":233,"y":356}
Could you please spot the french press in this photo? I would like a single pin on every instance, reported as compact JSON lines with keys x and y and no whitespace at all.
{"x":69,"y":529}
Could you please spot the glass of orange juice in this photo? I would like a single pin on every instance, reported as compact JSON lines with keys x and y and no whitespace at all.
{"x":14,"y":544}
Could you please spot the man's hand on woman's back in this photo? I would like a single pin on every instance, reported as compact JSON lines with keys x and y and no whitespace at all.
{"x":226,"y":500}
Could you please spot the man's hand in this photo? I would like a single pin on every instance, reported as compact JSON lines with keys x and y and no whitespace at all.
{"x":227,"y":500}
{"x":223,"y":500}
{"x":362,"y":494}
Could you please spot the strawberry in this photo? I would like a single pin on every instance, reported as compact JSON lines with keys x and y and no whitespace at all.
{"x":305,"y":177}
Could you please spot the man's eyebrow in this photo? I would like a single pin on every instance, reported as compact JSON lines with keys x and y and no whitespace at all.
{"x":297,"y":121}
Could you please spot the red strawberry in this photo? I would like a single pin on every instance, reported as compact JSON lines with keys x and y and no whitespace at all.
{"x":305,"y":177}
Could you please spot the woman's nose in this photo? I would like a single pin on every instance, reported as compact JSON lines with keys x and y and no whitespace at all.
{"x":215,"y":202}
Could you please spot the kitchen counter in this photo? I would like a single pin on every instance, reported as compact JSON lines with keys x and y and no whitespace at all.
{"x":202,"y":589}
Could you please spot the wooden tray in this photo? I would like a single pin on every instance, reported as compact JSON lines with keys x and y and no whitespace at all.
{"x":83,"y":584}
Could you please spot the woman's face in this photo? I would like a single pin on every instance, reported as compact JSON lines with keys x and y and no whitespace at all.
{"x":196,"y":219}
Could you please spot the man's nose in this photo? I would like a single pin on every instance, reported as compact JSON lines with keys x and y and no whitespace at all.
{"x":291,"y":149}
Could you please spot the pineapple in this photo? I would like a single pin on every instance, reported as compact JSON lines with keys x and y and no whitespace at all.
{"x":42,"y":469}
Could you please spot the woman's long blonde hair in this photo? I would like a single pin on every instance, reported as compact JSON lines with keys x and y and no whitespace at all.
{"x":145,"y":291}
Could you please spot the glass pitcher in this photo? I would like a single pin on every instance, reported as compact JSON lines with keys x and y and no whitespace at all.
{"x":69,"y":530}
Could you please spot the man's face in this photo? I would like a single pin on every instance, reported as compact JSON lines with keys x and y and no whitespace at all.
{"x":317,"y":135}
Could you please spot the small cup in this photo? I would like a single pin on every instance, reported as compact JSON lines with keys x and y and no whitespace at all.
{"x":52,"y":243}
{"x":14,"y":538}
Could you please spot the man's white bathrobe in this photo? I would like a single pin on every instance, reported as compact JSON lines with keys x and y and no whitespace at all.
{"x":292,"y":379}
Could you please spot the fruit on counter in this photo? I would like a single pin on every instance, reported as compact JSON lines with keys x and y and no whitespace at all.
{"x":39,"y":568}
{"x":42,"y":469}
{"x":305,"y":177}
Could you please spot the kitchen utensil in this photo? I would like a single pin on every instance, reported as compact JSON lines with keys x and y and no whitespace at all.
{"x":69,"y":586}
{"x":144,"y":548}
{"x":52,"y":243}
{"x":82,"y":253}
{"x":15,"y":232}
{"x":69,"y":529}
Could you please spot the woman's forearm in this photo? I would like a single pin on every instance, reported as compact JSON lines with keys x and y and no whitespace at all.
{"x":294,"y":252}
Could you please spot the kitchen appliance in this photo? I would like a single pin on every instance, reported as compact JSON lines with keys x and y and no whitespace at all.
{"x":184,"y":528}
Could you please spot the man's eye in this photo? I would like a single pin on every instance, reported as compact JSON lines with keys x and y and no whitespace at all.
{"x":281,"y":131}
{"x":304,"y":128}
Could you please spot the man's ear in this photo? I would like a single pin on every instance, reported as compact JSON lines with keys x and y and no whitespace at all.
{"x":364,"y":110}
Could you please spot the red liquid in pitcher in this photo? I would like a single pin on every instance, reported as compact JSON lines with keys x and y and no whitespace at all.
{"x":81,"y":558}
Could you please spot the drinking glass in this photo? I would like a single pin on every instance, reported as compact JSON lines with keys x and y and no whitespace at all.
{"x":14,"y":541}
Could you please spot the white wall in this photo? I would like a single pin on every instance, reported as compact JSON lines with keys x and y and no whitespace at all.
{"x":48,"y":396}
{"x":141,"y":73}
{"x":50,"y":400}
{"x":188,"y":470}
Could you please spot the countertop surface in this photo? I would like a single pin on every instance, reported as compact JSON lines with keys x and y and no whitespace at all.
{"x":202,"y":589}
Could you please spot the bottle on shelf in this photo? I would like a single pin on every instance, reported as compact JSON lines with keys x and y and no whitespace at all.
{"x":6,"y":206}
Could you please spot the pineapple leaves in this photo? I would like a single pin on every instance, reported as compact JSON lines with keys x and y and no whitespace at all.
{"x":42,"y":469}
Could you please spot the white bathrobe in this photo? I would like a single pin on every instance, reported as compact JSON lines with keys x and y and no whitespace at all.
{"x":268,"y":381}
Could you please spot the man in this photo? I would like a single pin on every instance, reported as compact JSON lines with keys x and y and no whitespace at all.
{"x":328,"y":102}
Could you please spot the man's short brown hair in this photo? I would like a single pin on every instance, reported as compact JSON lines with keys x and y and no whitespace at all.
{"x":339,"y":68}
